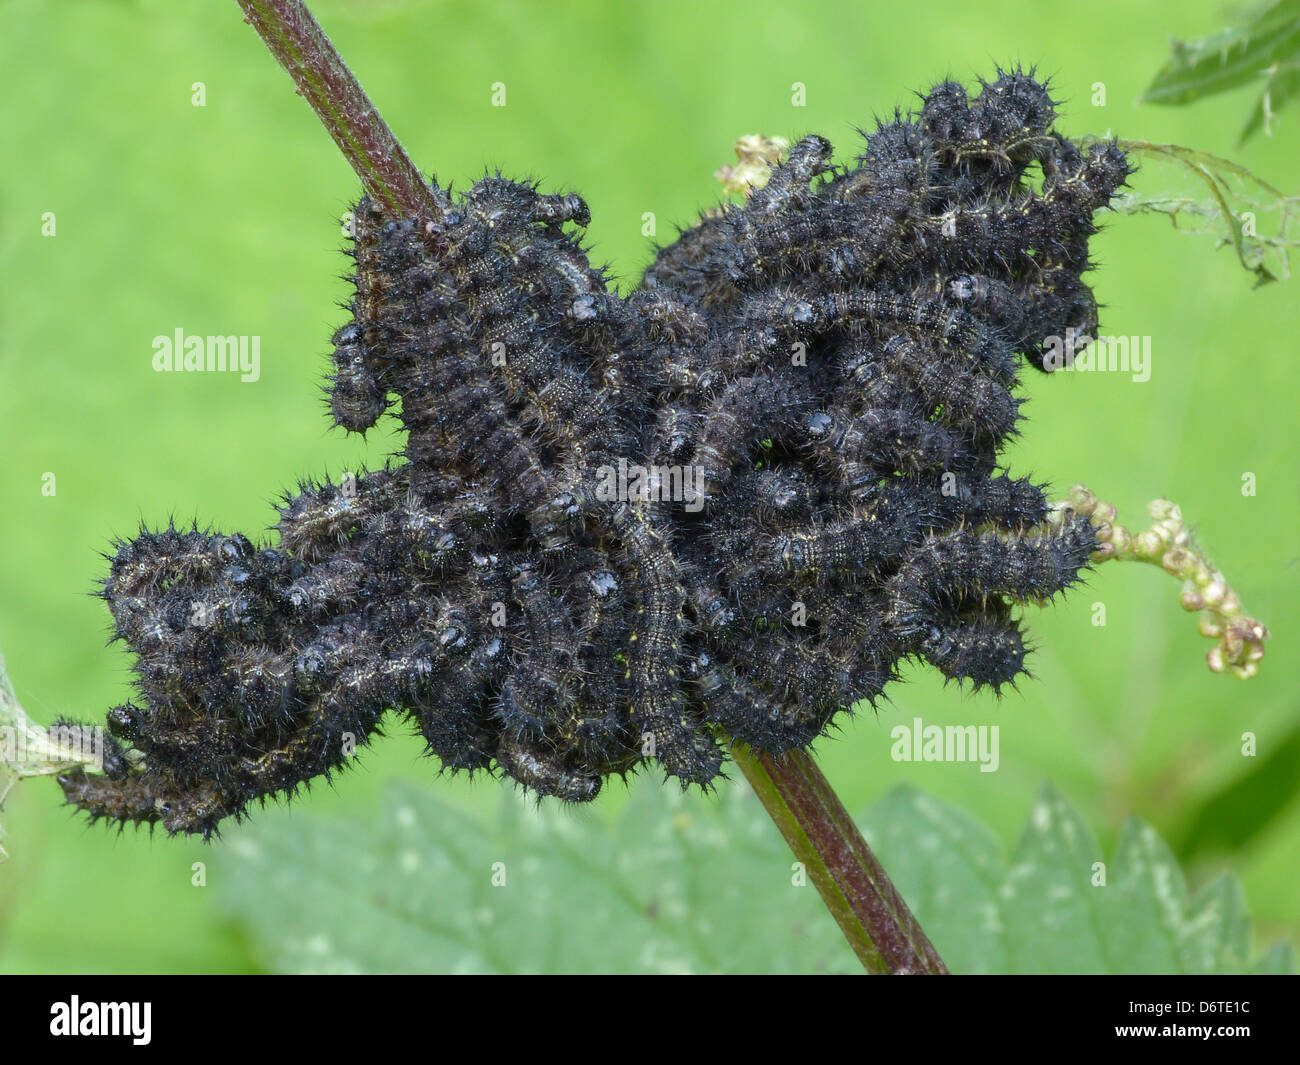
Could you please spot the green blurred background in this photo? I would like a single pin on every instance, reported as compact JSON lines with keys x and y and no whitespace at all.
{"x":224,"y":219}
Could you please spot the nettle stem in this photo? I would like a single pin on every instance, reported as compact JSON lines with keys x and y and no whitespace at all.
{"x":856,"y":890}
{"x":871,"y":913}
{"x":322,"y":79}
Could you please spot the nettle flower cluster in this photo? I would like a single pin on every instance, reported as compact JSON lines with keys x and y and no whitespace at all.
{"x":835,"y":360}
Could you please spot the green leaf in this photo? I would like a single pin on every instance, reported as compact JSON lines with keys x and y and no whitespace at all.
{"x":677,"y":884}
{"x":1222,"y":928}
{"x":1278,"y":960}
{"x":695,"y":884}
{"x":1228,"y":819}
{"x":1047,"y":894}
{"x":1282,"y":86}
{"x":1234,"y":57}
{"x":31,"y":750}
{"x":1047,"y":909}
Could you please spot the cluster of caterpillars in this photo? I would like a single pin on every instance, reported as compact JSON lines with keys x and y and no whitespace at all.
{"x":836,"y":359}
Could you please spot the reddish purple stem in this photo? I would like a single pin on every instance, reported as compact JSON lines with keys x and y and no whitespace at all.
{"x":857,"y":892}
{"x":325,"y":82}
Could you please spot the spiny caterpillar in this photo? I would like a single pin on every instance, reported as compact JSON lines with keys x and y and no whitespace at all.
{"x":837,"y":356}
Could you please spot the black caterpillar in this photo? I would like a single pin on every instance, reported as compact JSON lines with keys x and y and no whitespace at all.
{"x":837,"y":356}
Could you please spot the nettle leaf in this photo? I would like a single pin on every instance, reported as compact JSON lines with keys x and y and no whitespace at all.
{"x":687,"y":884}
{"x":676,"y":884}
{"x":31,"y":750}
{"x":1047,"y":910}
{"x":1278,"y":960}
{"x":1263,"y":49}
{"x":1281,"y":86}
